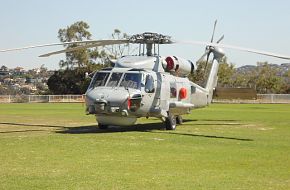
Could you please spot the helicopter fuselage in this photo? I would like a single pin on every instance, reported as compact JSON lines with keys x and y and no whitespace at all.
{"x":120,"y":95}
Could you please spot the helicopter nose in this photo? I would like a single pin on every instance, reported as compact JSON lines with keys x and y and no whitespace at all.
{"x":111,"y":101}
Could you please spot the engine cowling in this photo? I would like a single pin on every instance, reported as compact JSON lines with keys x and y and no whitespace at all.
{"x":178,"y":66}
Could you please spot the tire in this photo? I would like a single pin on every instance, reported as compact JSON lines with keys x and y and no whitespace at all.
{"x":179,"y":120}
{"x":170,"y":122}
{"x":102,"y":126}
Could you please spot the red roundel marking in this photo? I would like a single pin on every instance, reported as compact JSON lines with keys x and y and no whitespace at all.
{"x":182,"y":93}
{"x":170,"y":63}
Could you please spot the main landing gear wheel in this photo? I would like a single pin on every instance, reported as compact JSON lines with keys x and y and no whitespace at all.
{"x":170,"y":122}
{"x":179,"y":120}
{"x":102,"y":126}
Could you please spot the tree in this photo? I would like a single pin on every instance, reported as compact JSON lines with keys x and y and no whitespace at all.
{"x":3,"y":68}
{"x":199,"y":75}
{"x":225,"y":73}
{"x":287,"y":78}
{"x":244,"y":80}
{"x":72,"y":80}
{"x":80,"y":58}
{"x":68,"y":82}
{"x":268,"y":80}
{"x":116,"y":51}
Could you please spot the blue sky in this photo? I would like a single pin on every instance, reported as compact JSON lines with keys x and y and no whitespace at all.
{"x":259,"y":24}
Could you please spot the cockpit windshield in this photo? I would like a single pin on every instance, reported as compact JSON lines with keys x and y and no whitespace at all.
{"x":129,"y":80}
{"x":100,"y":79}
{"x":114,"y":79}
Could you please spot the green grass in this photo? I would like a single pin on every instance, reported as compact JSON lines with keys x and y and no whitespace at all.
{"x":224,"y":146}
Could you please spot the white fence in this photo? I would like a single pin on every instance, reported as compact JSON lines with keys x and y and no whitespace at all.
{"x":261,"y":98}
{"x":41,"y":98}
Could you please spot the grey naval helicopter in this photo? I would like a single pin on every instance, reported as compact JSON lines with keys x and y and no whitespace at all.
{"x":147,"y":84}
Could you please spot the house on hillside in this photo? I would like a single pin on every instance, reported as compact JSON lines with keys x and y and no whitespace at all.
{"x":18,"y":71}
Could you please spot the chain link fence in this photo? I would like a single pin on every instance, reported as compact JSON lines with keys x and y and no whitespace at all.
{"x":261,"y":98}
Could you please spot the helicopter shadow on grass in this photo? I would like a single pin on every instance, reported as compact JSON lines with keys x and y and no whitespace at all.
{"x":213,"y":120}
{"x":28,"y":125}
{"x":147,"y":127}
{"x":112,"y":129}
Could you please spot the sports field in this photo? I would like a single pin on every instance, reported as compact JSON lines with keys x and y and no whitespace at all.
{"x":224,"y":146}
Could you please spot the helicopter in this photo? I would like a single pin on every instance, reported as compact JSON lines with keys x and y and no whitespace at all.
{"x":148,"y":84}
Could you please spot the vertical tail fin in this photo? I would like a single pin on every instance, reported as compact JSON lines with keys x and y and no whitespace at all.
{"x":212,"y":80}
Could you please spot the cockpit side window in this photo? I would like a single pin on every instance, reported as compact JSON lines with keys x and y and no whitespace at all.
{"x":149,"y":84}
{"x":114,"y":79}
{"x":100,"y":79}
{"x":131,"y":80}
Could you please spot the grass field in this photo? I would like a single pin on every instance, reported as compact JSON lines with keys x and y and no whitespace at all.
{"x":224,"y":146}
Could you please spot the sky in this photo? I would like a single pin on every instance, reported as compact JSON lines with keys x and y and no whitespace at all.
{"x":257,"y":24}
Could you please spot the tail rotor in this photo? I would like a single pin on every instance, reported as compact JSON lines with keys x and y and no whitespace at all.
{"x":209,"y":49}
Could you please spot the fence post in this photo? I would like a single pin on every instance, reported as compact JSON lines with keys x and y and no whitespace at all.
{"x":272,"y":98}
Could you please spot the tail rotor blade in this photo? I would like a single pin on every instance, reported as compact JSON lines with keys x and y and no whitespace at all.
{"x":213,"y":31}
{"x":207,"y":58}
{"x":202,"y":57}
{"x":221,"y":38}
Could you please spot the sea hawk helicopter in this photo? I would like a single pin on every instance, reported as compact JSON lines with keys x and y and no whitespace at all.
{"x":148,"y":84}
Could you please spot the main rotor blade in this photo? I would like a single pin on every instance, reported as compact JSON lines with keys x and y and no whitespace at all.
{"x":46,"y":45}
{"x":96,"y":44}
{"x":255,"y":51}
{"x":237,"y":48}
{"x":213,"y":31}
{"x":68,"y":50}
{"x":104,"y":42}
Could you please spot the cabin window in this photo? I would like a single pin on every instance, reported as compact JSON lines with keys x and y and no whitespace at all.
{"x":173,"y":91}
{"x":114,"y":79}
{"x":99,"y":79}
{"x":193,"y":89}
{"x":149,"y":84}
{"x":131,"y":80}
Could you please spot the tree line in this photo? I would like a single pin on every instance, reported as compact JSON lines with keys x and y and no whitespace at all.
{"x":263,"y":77}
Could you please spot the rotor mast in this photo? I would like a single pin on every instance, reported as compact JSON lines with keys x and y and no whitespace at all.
{"x":151,"y":41}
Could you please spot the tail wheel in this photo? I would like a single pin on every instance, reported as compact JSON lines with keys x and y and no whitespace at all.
{"x":179,"y":120}
{"x":170,"y":122}
{"x":102,"y":126}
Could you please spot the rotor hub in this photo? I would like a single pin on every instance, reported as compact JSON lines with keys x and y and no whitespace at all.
{"x":150,"y":38}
